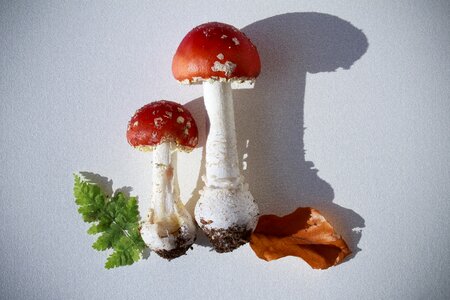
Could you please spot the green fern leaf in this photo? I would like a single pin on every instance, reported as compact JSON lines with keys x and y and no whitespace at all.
{"x":116,"y":219}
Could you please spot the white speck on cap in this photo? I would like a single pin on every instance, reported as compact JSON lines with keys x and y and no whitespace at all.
{"x":180,"y":120}
{"x":235,"y":41}
{"x":228,"y":67}
{"x":158,"y":122}
{"x":220,"y":56}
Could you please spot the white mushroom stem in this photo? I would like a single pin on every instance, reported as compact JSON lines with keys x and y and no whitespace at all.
{"x":169,"y":225}
{"x":226,"y":210}
{"x":222,"y":164}
{"x":162,"y":188}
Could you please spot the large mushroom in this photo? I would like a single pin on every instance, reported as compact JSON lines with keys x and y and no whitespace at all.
{"x":219,"y":55}
{"x":164,"y":127}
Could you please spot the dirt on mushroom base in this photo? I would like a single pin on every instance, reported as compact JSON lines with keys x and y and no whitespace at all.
{"x":183,"y":244}
{"x":227,"y":240}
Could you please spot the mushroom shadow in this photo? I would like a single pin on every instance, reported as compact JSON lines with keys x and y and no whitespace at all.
{"x":270,"y":117}
{"x":103,"y":182}
{"x":106,"y":184}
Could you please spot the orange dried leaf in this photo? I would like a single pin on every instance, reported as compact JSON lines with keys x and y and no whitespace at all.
{"x":305,"y":233}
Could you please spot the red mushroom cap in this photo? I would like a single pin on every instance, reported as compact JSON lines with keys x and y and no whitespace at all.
{"x":215,"y":51}
{"x":162,"y":121}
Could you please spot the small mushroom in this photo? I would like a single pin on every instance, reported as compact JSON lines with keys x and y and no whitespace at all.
{"x":217,"y":55}
{"x":164,"y":127}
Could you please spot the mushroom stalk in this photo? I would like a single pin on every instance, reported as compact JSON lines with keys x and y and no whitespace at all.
{"x":222,"y":164}
{"x":226,"y":210}
{"x":169,"y":229}
{"x":162,"y":177}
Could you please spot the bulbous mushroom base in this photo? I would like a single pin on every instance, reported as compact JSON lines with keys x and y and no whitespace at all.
{"x":226,"y":216}
{"x":227,"y":240}
{"x":168,"y":244}
{"x":182,"y":244}
{"x":174,"y":253}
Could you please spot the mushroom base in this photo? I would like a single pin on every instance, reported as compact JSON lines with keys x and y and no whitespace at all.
{"x":171,"y":246}
{"x":182,"y":246}
{"x":227,"y":240}
{"x":227,"y":216}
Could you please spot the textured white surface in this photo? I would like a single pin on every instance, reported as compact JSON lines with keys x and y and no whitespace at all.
{"x":222,"y":208}
{"x":72,"y":74}
{"x":221,"y":157}
{"x":225,"y":200}
{"x":167,"y":218}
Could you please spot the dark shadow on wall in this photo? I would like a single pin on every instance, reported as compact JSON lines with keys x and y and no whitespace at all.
{"x":270,"y":117}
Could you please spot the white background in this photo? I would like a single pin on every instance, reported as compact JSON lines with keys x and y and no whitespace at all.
{"x":374,"y":105}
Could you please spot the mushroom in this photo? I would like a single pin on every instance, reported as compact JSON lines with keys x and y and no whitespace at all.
{"x":164,"y":127}
{"x":217,"y":55}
